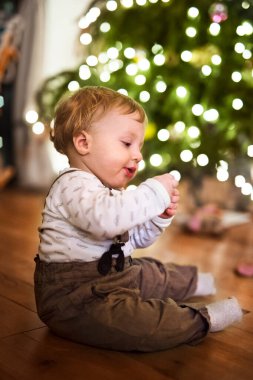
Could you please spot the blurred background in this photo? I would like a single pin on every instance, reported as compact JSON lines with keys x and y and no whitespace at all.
{"x":189,"y":64}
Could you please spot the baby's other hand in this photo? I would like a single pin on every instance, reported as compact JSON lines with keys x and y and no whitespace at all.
{"x":168,"y":181}
{"x":172,"y":209}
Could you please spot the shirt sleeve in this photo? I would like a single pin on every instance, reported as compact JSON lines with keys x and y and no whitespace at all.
{"x":105,"y":214}
{"x":146,"y":234}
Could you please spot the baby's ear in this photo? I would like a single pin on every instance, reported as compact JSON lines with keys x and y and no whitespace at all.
{"x":82,"y":142}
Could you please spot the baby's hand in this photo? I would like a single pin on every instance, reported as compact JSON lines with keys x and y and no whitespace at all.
{"x":168,"y":181}
{"x":172,"y":209}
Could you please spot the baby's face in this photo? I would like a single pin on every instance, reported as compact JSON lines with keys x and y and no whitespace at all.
{"x":115,"y":150}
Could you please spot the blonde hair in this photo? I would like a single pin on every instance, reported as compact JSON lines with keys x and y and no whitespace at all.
{"x":89,"y":104}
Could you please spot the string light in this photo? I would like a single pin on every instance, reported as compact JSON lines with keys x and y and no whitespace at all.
{"x":197,"y":109}
{"x":73,"y":86}
{"x":211,"y":115}
{"x":31,"y":116}
{"x":159,"y":59}
{"x":140,"y":79}
{"x":156,"y":160}
{"x":111,"y":5}
{"x":176,"y":174}
{"x":191,"y":31}
{"x":206,"y":70}
{"x":85,"y":38}
{"x":144,"y":96}
{"x":141,"y":165}
{"x":250,"y":150}
{"x":186,"y":56}
{"x":193,"y":131}
{"x":129,"y":52}
{"x":214,"y":29}
{"x":236,"y":76}
{"x":186,"y":155}
{"x":105,"y":27}
{"x":161,"y":86}
{"x":193,"y":12}
{"x":202,"y":159}
{"x":163,"y":135}
{"x":84,"y":72}
{"x":237,"y":104}
{"x":181,"y":92}
{"x":38,"y":128}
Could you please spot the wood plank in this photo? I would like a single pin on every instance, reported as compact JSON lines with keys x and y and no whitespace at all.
{"x":55,"y":358}
{"x":15,"y":318}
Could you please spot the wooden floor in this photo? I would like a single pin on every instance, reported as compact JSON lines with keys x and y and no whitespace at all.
{"x":28,"y":351}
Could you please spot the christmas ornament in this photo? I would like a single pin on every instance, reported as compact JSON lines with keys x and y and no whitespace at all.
{"x":218,"y":12}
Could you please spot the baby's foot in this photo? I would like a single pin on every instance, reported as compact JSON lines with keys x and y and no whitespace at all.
{"x":224,"y":313}
{"x":205,"y":285}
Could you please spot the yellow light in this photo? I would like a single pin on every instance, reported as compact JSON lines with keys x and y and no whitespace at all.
{"x":159,"y":59}
{"x":197,"y":109}
{"x":191,"y":32}
{"x":31,"y":116}
{"x":140,"y":79}
{"x":112,"y":53}
{"x":236,"y":76}
{"x":246,"y":188}
{"x":193,"y":12}
{"x":132,"y":69}
{"x":105,"y":27}
{"x":214,"y":29}
{"x":156,"y":160}
{"x":105,"y":76}
{"x":141,"y":2}
{"x":123,"y":91}
{"x":84,"y":72}
{"x":181,"y":92}
{"x":211,"y":115}
{"x":73,"y":86}
{"x":111,"y":5}
{"x":129,"y":53}
{"x":92,"y":60}
{"x":176,"y":174}
{"x":186,"y":155}
{"x":250,"y":151}
{"x":127,"y":3}
{"x":216,"y":59}
{"x":179,"y":126}
{"x":206,"y":70}
{"x":193,"y":132}
{"x":38,"y":128}
{"x":239,"y":180}
{"x":186,"y":56}
{"x":141,"y":165}
{"x":143,"y":64}
{"x":144,"y":96}
{"x":163,"y":135}
{"x":161,"y":86}
{"x":237,"y":104}
{"x":247,"y":54}
{"x":202,"y":159}
{"x":239,"y":47}
{"x":85,"y":38}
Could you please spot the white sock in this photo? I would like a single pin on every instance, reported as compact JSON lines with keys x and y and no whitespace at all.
{"x":224,"y":313}
{"x":205,"y":285}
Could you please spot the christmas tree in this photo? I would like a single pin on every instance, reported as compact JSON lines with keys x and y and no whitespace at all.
{"x":189,"y":64}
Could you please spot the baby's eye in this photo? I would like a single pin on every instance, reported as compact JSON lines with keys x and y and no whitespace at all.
{"x":126,"y":143}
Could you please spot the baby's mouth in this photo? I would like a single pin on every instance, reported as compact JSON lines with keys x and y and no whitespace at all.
{"x":130,"y":172}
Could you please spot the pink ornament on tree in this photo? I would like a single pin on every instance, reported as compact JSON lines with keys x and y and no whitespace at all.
{"x":218,"y":12}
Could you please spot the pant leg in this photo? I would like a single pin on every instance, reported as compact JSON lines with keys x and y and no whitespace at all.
{"x":158,"y":280}
{"x":110,"y":312}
